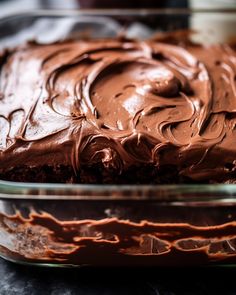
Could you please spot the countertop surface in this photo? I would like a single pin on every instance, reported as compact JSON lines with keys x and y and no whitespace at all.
{"x":24,"y":280}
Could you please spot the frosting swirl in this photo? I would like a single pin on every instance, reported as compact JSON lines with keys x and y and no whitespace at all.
{"x":120,"y":103}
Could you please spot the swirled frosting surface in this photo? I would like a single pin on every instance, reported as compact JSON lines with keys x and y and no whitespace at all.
{"x":120,"y":103}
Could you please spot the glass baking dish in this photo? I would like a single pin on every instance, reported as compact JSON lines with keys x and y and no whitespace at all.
{"x":117,"y":225}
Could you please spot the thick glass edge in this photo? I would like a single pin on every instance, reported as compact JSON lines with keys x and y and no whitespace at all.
{"x":179,"y":194}
{"x":114,"y":12}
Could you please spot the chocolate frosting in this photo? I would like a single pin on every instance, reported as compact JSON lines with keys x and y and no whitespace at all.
{"x":120,"y":103}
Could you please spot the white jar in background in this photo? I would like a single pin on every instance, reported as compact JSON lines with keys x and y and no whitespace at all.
{"x":213,"y":27}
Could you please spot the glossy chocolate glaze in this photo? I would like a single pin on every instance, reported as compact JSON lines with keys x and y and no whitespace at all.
{"x":120,"y":104}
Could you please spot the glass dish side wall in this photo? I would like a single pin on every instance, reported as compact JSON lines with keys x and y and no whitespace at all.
{"x":117,"y":233}
{"x":61,"y":225}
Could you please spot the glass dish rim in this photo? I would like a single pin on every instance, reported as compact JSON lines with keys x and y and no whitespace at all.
{"x":161,"y":192}
{"x":177,"y":193}
{"x":115,"y":11}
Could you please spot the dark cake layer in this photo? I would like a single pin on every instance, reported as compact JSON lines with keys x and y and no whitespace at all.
{"x":118,"y":111}
{"x":145,"y":174}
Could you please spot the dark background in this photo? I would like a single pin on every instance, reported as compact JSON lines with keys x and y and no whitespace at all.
{"x":10,"y":6}
{"x":24,"y":280}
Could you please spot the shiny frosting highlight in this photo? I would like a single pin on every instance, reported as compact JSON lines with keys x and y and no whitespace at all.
{"x":120,"y":103}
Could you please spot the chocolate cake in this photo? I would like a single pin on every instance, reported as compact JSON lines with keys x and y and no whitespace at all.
{"x":118,"y":111}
